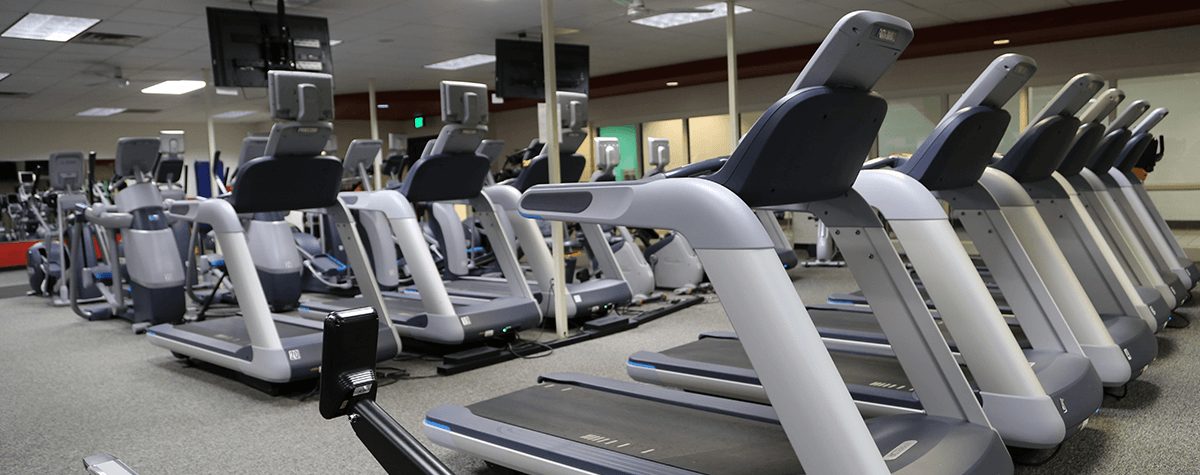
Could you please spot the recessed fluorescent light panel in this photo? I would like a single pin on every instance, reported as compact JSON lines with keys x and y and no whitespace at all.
{"x":174,"y":87}
{"x":227,"y":91}
{"x":37,"y":26}
{"x":100,"y":112}
{"x":233,"y":114}
{"x":335,"y":42}
{"x":463,"y":62}
{"x":668,"y":20}
{"x":4,"y":75}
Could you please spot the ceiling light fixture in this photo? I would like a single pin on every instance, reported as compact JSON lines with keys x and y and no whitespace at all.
{"x":463,"y":62}
{"x":174,"y":87}
{"x":226,"y":91}
{"x":1001,"y":41}
{"x":4,"y":75}
{"x":38,"y":26}
{"x":668,"y":20}
{"x":335,"y":42}
{"x":233,"y":114}
{"x":101,"y":112}
{"x":381,"y":106}
{"x":672,"y":84}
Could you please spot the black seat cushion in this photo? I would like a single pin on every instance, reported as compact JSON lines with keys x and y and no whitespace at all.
{"x":807,"y":147}
{"x":1082,"y":146}
{"x":959,"y":150}
{"x":538,"y":171}
{"x":1132,"y":151}
{"x":280,"y":184}
{"x":446,"y":176}
{"x":1108,"y":150}
{"x":1040,"y":150}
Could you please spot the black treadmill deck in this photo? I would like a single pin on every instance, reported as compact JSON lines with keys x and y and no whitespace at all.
{"x":631,"y":424}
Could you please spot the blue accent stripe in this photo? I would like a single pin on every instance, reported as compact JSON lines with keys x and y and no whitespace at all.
{"x":439,"y":426}
{"x":341,"y":267}
{"x":840,"y":301}
{"x":530,"y":216}
{"x":640,"y":365}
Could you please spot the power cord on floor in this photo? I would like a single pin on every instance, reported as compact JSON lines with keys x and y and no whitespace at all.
{"x":418,"y":357}
{"x":524,"y":344}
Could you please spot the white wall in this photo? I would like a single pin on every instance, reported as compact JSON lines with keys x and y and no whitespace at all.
{"x":1121,"y":57}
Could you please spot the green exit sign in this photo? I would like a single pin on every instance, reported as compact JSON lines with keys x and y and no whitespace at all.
{"x":419,"y":122}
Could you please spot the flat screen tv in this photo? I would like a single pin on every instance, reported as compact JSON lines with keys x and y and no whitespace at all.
{"x":520,"y":72}
{"x":246,"y":44}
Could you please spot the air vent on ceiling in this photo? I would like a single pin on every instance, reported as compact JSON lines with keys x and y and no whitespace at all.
{"x":108,"y":39}
{"x":141,"y":111}
{"x":14,"y":95}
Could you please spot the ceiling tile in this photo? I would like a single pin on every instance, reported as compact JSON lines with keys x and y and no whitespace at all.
{"x":77,"y":8}
{"x":970,"y":10}
{"x":154,"y":17}
{"x":23,"y":6}
{"x":128,"y":28}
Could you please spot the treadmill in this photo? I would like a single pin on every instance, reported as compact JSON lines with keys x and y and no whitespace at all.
{"x":427,"y":312}
{"x":1150,"y":225}
{"x":1116,"y":228}
{"x":580,"y":424}
{"x":292,"y":175}
{"x":1111,"y":208}
{"x":1111,"y":290}
{"x":583,"y":299}
{"x":590,"y":298}
{"x":1034,"y":397}
{"x":1030,"y":269}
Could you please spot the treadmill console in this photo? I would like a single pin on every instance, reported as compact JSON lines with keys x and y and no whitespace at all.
{"x":348,"y":360}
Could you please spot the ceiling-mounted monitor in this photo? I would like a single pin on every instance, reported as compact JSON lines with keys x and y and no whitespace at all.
{"x":246,"y":44}
{"x":520,"y":73}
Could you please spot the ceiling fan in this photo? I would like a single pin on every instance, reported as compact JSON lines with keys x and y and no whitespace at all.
{"x":116,"y":79}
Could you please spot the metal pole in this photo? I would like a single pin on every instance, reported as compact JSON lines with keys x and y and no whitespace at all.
{"x":212,"y":136}
{"x":735,"y":125}
{"x":552,"y":136}
{"x":375,"y":133}
{"x":1023,"y":114}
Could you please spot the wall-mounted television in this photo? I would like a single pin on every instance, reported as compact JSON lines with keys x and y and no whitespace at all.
{"x":246,"y":44}
{"x":520,"y":73}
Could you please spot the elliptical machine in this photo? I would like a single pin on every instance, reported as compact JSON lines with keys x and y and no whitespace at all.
{"x":47,"y":261}
{"x":625,"y":254}
{"x":675,"y":264}
{"x":154,"y":271}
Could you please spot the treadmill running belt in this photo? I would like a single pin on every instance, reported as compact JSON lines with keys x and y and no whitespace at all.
{"x":663,"y":427}
{"x":396,"y":307}
{"x":863,"y":326}
{"x":233,"y":330}
{"x":647,"y":430}
{"x":487,"y":287}
{"x":878,"y":379}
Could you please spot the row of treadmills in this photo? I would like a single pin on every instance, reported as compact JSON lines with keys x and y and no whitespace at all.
{"x":291,"y":173}
{"x":934,"y":374}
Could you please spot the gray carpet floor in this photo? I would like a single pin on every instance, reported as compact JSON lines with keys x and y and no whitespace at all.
{"x":74,"y":388}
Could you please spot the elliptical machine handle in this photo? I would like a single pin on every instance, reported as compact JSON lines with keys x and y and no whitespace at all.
{"x":99,"y":214}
